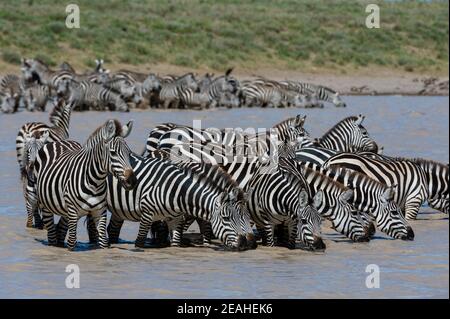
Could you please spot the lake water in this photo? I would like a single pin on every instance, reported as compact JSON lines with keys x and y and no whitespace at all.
{"x":405,"y":126}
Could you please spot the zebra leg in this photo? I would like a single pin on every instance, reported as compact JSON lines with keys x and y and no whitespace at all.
{"x":50,"y":226}
{"x":114,"y":227}
{"x":177,"y":233}
{"x":262,"y":234}
{"x":292,"y":231}
{"x":411,"y":210}
{"x":92,"y":230}
{"x":32,"y":207}
{"x":144,"y":227}
{"x":206,"y":231}
{"x":72,"y":220}
{"x":100,"y":222}
{"x":61,"y":231}
{"x":268,"y":229}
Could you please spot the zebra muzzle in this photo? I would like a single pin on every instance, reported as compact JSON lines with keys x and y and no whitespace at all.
{"x":130,"y":180}
{"x":251,"y":241}
{"x":409,"y":235}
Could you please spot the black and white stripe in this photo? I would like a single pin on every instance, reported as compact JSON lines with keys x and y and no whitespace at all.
{"x":71,"y":179}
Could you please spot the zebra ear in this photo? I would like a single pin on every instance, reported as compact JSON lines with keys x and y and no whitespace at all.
{"x":126,"y":129}
{"x":110,"y":130}
{"x":303,"y":198}
{"x":300,"y":120}
{"x":360,"y":119}
{"x":318,"y":199}
{"x":347,"y":196}
{"x":380,"y":150}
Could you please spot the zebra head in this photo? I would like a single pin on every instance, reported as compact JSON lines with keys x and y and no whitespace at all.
{"x":151,"y":84}
{"x":348,"y":220}
{"x":33,"y":142}
{"x":10,"y":102}
{"x":205,"y":82}
{"x":231,"y":221}
{"x":337,"y":101}
{"x":389,"y":216}
{"x":63,"y":87}
{"x":360,"y":139}
{"x":118,"y":153}
{"x":309,"y":220}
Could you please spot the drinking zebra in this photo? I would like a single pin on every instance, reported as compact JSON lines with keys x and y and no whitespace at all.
{"x":412,"y":179}
{"x":71,"y":179}
{"x":10,"y":92}
{"x":59,"y":117}
{"x":268,"y":96}
{"x":170,"y":192}
{"x":337,"y":205}
{"x":37,"y":97}
{"x":372,"y":198}
{"x":322,"y":93}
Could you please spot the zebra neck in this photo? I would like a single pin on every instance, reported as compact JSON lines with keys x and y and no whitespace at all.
{"x":96,"y":169}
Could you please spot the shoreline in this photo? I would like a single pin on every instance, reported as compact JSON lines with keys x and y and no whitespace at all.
{"x":359,"y":82}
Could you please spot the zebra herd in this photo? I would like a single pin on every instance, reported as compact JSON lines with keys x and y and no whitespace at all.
{"x":39,"y":87}
{"x":277,"y":186}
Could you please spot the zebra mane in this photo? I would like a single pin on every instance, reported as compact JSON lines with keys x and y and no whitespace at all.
{"x":95,"y":136}
{"x":421,"y":161}
{"x":293,"y":169}
{"x":327,"y":88}
{"x":57,"y":112}
{"x":211,"y":175}
{"x":339,"y":124}
{"x":336,"y":170}
{"x":292,"y":120}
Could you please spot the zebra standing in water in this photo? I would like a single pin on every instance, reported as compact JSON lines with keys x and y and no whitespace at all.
{"x":410,"y":180}
{"x":60,"y":118}
{"x":290,"y":129}
{"x":204,"y":192}
{"x":268,"y":96}
{"x":169,"y":93}
{"x":71,"y":179}
{"x":11,"y":87}
{"x":437,"y":176}
{"x":337,"y":204}
{"x":373,"y":198}
{"x":349,"y":135}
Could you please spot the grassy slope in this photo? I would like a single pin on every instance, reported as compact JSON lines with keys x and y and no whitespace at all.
{"x":297,"y":35}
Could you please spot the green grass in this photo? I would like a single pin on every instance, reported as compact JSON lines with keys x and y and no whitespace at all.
{"x":296,"y":35}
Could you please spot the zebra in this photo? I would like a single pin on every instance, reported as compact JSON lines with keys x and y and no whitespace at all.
{"x":308,"y":97}
{"x":349,"y":135}
{"x":191,"y":99}
{"x":437,"y":176}
{"x":59,"y":117}
{"x":33,"y":68}
{"x":38,"y":97}
{"x":288,"y":130}
{"x":205,"y":192}
{"x":337,"y":204}
{"x":33,"y":142}
{"x":259,"y":174}
{"x":322,"y":93}
{"x":373,"y":198}
{"x":91,"y":95}
{"x":71,"y":179}
{"x":10,"y":92}
{"x":416,"y":180}
{"x":268,"y":96}
{"x":279,"y":196}
{"x":169,"y":93}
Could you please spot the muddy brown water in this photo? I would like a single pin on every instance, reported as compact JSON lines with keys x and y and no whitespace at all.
{"x":405,"y":126}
